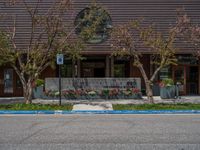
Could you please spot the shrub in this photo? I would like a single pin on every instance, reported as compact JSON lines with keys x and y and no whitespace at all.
{"x":39,"y":82}
{"x":105,"y":92}
{"x":166,"y":82}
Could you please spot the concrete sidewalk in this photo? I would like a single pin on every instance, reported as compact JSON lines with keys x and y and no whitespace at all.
{"x":11,"y":100}
{"x":107,"y":104}
{"x":157,"y":99}
{"x":102,"y":104}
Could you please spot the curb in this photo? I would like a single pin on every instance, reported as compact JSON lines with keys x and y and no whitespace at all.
{"x":5,"y":112}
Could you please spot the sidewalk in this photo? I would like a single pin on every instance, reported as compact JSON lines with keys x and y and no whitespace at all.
{"x":102,"y":104}
{"x":157,"y":99}
{"x":94,"y":107}
{"x":11,"y":100}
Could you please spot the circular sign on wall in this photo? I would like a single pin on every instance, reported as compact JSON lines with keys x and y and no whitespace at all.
{"x":93,"y":24}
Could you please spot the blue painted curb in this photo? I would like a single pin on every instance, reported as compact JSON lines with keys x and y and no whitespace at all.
{"x":102,"y":112}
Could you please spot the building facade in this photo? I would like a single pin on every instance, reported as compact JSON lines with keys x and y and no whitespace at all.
{"x":99,"y":62}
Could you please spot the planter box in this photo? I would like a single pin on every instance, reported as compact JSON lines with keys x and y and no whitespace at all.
{"x":156,"y":90}
{"x":168,"y":92}
{"x":38,"y":92}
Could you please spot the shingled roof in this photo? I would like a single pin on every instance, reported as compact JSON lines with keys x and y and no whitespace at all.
{"x":161,"y":12}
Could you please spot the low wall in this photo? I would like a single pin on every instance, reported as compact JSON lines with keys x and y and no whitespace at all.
{"x":92,"y":83}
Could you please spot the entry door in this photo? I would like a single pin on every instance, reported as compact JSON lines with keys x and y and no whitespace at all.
{"x":192,"y":80}
{"x":93,"y":69}
{"x":8,"y":81}
{"x":179,"y":75}
{"x":87,"y":72}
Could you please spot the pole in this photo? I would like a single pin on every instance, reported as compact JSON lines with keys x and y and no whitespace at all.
{"x":60,"y":85}
{"x":59,"y":60}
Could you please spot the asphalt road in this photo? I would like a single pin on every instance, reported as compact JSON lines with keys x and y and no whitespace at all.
{"x":100,"y":132}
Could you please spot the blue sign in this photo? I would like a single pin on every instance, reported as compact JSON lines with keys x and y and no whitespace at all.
{"x":60,"y":59}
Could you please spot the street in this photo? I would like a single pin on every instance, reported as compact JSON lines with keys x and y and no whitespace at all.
{"x":100,"y":132}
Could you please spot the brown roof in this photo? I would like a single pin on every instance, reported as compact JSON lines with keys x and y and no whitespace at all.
{"x":161,"y":12}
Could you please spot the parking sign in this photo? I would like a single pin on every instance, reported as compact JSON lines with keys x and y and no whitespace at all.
{"x":60,"y":59}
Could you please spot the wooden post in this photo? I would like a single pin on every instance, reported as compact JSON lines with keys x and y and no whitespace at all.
{"x":79,"y":68}
{"x":107,"y":66}
{"x":199,"y":77}
{"x":131,"y":67}
{"x":112,"y":67}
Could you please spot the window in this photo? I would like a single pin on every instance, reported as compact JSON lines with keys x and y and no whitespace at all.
{"x":119,"y":70}
{"x":8,"y":81}
{"x":187,"y":59}
{"x":165,"y":73}
{"x":93,"y":24}
{"x":121,"y":67}
{"x":66,"y":68}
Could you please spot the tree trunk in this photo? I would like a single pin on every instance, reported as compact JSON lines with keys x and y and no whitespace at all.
{"x":27,"y":89}
{"x":27,"y":85}
{"x":149,"y":92}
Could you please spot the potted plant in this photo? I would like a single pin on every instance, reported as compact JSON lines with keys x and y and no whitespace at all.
{"x":38,"y":88}
{"x":127,"y":93}
{"x":136,"y":93}
{"x":167,"y":89}
{"x":105,"y":93}
{"x":114,"y":93}
{"x":91,"y":94}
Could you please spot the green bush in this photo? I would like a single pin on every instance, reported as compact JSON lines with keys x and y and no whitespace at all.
{"x":39,"y":82}
{"x":166,"y":82}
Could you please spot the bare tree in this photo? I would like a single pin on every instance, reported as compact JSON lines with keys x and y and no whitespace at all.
{"x":48,"y":36}
{"x":187,"y":31}
{"x":127,"y":41}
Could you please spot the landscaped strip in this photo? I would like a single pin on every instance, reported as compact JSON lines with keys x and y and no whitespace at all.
{"x":186,"y":108}
{"x":29,"y":107}
{"x":183,"y":106}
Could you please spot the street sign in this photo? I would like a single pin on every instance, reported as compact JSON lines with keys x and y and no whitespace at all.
{"x":60,"y":59}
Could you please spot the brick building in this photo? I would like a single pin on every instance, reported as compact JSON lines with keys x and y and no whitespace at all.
{"x":98,"y":62}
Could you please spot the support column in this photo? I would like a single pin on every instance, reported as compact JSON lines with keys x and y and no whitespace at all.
{"x":74,"y":67}
{"x":112,"y":66}
{"x":107,"y":74}
{"x":79,"y":68}
{"x":131,"y":67}
{"x":199,"y":77}
{"x":151,"y":65}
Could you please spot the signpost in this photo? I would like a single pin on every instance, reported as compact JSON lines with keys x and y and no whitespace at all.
{"x":60,"y":61}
